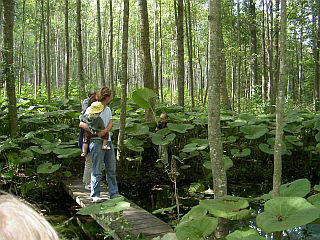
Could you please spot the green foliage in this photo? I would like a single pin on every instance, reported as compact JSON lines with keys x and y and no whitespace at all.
{"x":249,"y":234}
{"x":284,"y":213}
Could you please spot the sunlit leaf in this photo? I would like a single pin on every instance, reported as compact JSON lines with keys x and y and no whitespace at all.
{"x":47,"y":168}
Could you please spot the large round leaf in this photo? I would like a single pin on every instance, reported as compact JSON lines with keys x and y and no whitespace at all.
{"x":196,"y":145}
{"x":142,"y":97}
{"x":227,"y":163}
{"x":67,"y":152}
{"x":233,"y":208}
{"x":253,"y":131}
{"x":40,"y":150}
{"x":134,"y":144}
{"x":196,"y":229}
{"x":47,"y":168}
{"x":163,"y":137}
{"x":250,"y":234}
{"x":195,"y":212}
{"x":315,"y":200}
{"x":284,"y":213}
{"x":179,"y":127}
{"x":297,"y":188}
{"x":137,"y":130}
{"x":237,"y":153}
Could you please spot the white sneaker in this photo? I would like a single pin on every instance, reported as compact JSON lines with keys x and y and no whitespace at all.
{"x":87,"y":187}
{"x":96,"y":199}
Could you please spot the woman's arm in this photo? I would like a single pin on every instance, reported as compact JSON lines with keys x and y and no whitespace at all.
{"x":106,"y":130}
{"x":84,"y":126}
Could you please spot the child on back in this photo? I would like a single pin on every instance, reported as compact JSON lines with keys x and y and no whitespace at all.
{"x":95,"y":124}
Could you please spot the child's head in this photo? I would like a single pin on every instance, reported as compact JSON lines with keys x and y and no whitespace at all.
{"x":95,"y":109}
{"x":163,"y":117}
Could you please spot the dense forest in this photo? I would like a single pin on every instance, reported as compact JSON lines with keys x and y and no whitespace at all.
{"x":238,"y":80}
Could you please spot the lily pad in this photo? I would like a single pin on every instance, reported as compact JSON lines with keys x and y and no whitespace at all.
{"x":237,"y":153}
{"x":196,"y":229}
{"x":253,"y":131}
{"x":250,"y":234}
{"x":47,"y":168}
{"x":179,"y":127}
{"x":283,"y":213}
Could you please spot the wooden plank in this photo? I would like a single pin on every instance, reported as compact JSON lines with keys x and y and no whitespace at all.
{"x":140,"y":222}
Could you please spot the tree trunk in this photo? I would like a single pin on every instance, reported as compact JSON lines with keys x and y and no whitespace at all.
{"x":1,"y":43}
{"x":239,"y":57}
{"x":161,"y":50}
{"x":67,"y":57}
{"x":80,"y":53}
{"x":146,"y":65}
{"x":226,"y":105}
{"x":264,"y":63}
{"x":111,"y":60}
{"x":124,"y":80}
{"x":156,"y":51}
{"x":48,"y":53}
{"x":190,"y":54}
{"x":21,"y":52}
{"x":180,"y":44}
{"x":214,"y":129}
{"x":101,"y":65}
{"x":315,"y":51}
{"x":271,"y":90}
{"x":8,"y":7}
{"x":253,"y":47}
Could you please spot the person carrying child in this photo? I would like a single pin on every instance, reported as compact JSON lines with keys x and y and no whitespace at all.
{"x":95,"y":125}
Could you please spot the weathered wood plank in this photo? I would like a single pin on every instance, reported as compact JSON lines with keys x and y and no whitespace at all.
{"x":140,"y":221}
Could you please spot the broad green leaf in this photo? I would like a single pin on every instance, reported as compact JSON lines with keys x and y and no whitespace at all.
{"x":236,"y":152}
{"x":67,"y":174}
{"x":180,"y":127}
{"x":196,"y":145}
{"x":237,"y":123}
{"x":164,"y":210}
{"x":250,"y":234}
{"x":293,"y":140}
{"x":230,"y":139}
{"x":8,"y":144}
{"x":39,"y":150}
{"x":233,"y":209}
{"x":40,"y":141}
{"x":253,"y":131}
{"x":137,"y":130}
{"x":196,"y":187}
{"x":109,"y":206}
{"x":59,"y":127}
{"x":195,"y":212}
{"x":47,"y":168}
{"x":134,"y":144}
{"x":67,"y":152}
{"x":134,"y":159}
{"x":266,"y":148}
{"x":196,"y":229}
{"x":201,"y":121}
{"x":283,"y":213}
{"x":142,"y":97}
{"x":168,"y":236}
{"x":25,"y":156}
{"x":315,"y":200}
{"x":317,"y":188}
{"x":297,"y":188}
{"x":293,"y":128}
{"x":163,"y":137}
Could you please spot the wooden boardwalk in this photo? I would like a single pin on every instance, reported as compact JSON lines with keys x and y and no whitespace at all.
{"x":138,"y":222}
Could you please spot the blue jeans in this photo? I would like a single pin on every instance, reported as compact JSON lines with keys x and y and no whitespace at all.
{"x":98,"y":157}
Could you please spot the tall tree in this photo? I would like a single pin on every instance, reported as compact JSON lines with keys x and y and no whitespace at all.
{"x":111,"y":71}
{"x":180,"y":44}
{"x":8,"y":7}
{"x":190,"y":53}
{"x":146,"y":65}
{"x":214,"y":128}
{"x":80,"y":52}
{"x":48,"y":69}
{"x":315,"y":51}
{"x":156,"y":51}
{"x":253,"y":46}
{"x":279,"y":106}
{"x":1,"y":42}
{"x":101,"y":65}
{"x":67,"y":57}
{"x":124,"y":80}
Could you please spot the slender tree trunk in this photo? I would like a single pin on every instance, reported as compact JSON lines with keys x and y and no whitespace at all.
{"x":146,"y":64}
{"x":272,"y":93}
{"x":48,"y":53}
{"x":156,"y":51}
{"x":315,"y":51}
{"x":111,"y":60}
{"x":124,"y":80}
{"x":180,"y":44}
{"x":264,"y":61}
{"x":161,"y":50}
{"x":223,"y":85}
{"x":67,"y":57}
{"x":101,"y":65}
{"x":300,"y":64}
{"x":80,"y":53}
{"x":239,"y":57}
{"x":214,"y":129}
{"x":207,"y":75}
{"x":253,"y":47}
{"x":8,"y":10}
{"x":21,"y":54}
{"x":190,"y":54}
{"x":1,"y":44}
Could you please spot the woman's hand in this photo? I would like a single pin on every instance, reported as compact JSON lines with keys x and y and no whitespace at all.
{"x":102,"y":132}
{"x":84,"y":126}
